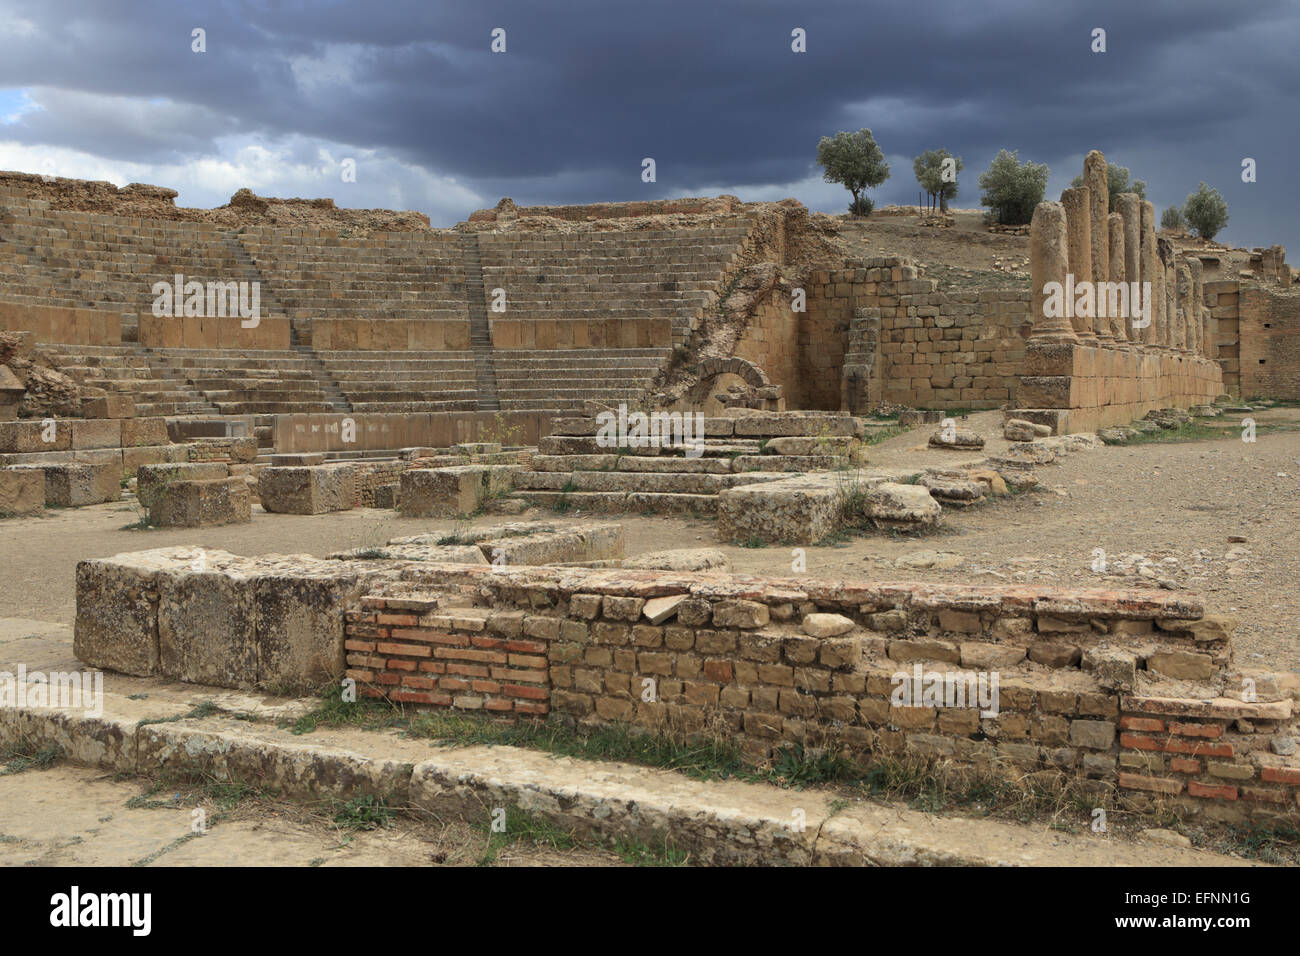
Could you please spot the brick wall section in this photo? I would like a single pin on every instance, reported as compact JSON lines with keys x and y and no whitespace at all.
{"x":410,"y":652}
{"x":734,"y":659}
{"x":1269,"y":342}
{"x":1196,"y":749}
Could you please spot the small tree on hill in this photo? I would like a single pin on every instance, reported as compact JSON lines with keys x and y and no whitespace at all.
{"x":1117,"y":181}
{"x":1172,"y":218}
{"x":1206,"y":211}
{"x":854,"y":161}
{"x":931,"y":172}
{"x":1012,"y":189}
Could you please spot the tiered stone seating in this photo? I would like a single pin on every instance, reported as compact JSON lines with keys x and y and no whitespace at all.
{"x":318,"y":274}
{"x":403,"y":381}
{"x":87,"y":260}
{"x":262,"y":382}
{"x":603,"y":274}
{"x":126,"y":368}
{"x":562,"y":379}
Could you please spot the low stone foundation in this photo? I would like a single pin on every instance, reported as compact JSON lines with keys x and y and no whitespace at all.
{"x":1080,"y":388}
{"x":1127,"y":692}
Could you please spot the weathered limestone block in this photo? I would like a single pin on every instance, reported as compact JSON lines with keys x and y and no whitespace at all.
{"x":302,"y":459}
{"x":150,"y":480}
{"x":32,"y":436}
{"x":117,"y":606}
{"x":22,"y":491}
{"x":793,"y":424}
{"x":299,"y":613}
{"x":600,"y":542}
{"x":957,"y":438}
{"x":447,"y":492}
{"x":133,"y":458}
{"x":206,"y":627}
{"x":111,"y":405}
{"x":1017,"y":429}
{"x":201,"y":503}
{"x":74,"y":484}
{"x":144,"y":431}
{"x":893,"y":505}
{"x":952,"y":490}
{"x":826,"y":625}
{"x":792,"y":511}
{"x":96,"y":433}
{"x":680,"y":559}
{"x":308,"y":490}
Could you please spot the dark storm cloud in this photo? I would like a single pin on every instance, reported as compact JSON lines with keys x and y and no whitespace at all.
{"x":711,"y":90}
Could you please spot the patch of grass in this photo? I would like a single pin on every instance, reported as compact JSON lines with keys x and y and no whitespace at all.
{"x":26,"y":753}
{"x":334,"y":711}
{"x":205,"y":709}
{"x":753,"y":541}
{"x":366,"y":812}
{"x":370,"y":554}
{"x":1279,"y":844}
{"x":792,"y":766}
{"x":877,"y":435}
{"x":1196,"y":430}
{"x":702,"y":756}
{"x":522,"y":827}
{"x":661,"y":853}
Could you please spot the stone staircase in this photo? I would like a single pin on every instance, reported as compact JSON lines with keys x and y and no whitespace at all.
{"x":480,"y":333}
{"x":574,"y":470}
{"x":126,"y":368}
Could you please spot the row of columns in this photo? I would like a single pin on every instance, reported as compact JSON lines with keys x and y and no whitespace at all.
{"x":1080,"y":237}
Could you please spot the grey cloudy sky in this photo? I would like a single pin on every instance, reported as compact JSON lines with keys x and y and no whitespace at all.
{"x":110,"y":89}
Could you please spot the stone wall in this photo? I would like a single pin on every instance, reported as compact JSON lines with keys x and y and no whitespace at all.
{"x":1223,"y":298}
{"x":390,"y":334}
{"x":580,"y":333}
{"x":391,"y":431}
{"x":1130,"y":691}
{"x":66,"y":326}
{"x":195,"y":332}
{"x":1269,"y":343}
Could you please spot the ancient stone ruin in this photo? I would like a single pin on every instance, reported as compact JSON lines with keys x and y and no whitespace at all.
{"x":533,"y":395}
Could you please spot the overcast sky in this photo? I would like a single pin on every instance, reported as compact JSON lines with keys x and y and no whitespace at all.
{"x":586,"y":89}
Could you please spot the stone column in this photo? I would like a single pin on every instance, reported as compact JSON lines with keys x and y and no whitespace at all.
{"x":1077,"y":224}
{"x":1166,"y":253}
{"x":1094,"y":177}
{"x":1115,"y":257}
{"x":1185,"y":338}
{"x":1152,"y":273}
{"x":1048,"y":262}
{"x":1198,"y":303}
